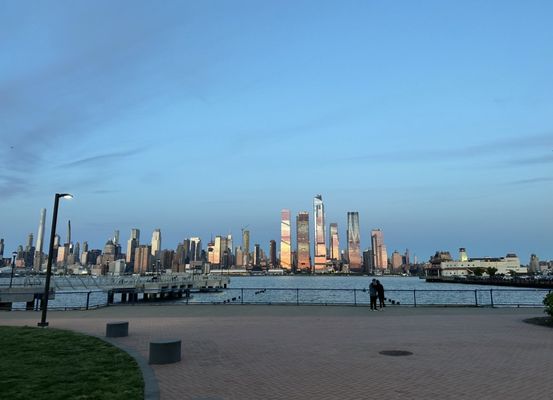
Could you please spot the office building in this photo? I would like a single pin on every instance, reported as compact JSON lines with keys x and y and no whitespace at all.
{"x":132,"y":244}
{"x":285,"y":240}
{"x":272,"y":254}
{"x":334,"y":243}
{"x":319,"y":238}
{"x":303,"y":252}
{"x":156,"y":242}
{"x":39,"y":255}
{"x":354,"y":242}
{"x":142,"y":259}
{"x":379,"y":250}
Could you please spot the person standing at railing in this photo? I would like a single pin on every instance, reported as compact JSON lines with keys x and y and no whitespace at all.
{"x":373,"y":293}
{"x":380,"y":293}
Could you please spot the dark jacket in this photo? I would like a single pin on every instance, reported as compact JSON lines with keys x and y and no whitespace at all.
{"x":380,"y":290}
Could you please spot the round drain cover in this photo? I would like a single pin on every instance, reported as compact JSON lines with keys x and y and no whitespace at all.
{"x":395,"y":353}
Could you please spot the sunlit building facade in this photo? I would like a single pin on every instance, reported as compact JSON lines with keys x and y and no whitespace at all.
{"x":303,"y":245}
{"x":320,"y":235}
{"x":156,"y":242}
{"x":354,"y":242}
{"x":285,"y":240}
{"x":132,"y":244}
{"x":379,"y":250}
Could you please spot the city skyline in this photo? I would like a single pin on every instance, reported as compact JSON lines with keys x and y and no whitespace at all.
{"x":432,"y":120}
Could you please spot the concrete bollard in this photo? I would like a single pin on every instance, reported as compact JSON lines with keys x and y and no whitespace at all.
{"x":165,"y":351}
{"x":117,"y":329}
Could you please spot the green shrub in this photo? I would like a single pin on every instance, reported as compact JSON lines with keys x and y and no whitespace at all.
{"x":548,"y":302}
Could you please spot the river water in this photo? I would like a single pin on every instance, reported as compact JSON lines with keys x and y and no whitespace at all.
{"x":349,"y":290}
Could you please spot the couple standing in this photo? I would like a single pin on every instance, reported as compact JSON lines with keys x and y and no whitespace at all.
{"x":376,"y":290}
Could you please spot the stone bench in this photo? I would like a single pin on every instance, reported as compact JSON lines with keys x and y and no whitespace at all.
{"x":165,"y":351}
{"x":117,"y":329}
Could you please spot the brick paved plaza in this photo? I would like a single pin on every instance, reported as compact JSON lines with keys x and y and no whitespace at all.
{"x":312,"y":352}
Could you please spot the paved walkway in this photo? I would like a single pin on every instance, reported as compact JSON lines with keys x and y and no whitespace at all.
{"x":312,"y":352}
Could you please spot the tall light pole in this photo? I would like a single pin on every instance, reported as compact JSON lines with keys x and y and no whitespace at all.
{"x":44,"y":303}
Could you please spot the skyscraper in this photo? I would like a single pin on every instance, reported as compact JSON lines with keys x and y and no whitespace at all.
{"x":319,"y":238}
{"x":245,"y":247}
{"x":40,"y":241}
{"x":142,"y":259}
{"x":302,"y":235}
{"x":132,"y":244}
{"x":69,"y":232}
{"x":116,"y":237}
{"x":272,"y":254}
{"x":379,"y":250}
{"x":156,"y":242}
{"x":334,"y":243}
{"x":1,"y":248}
{"x":195,"y":249}
{"x":354,"y":242}
{"x":285,"y":240}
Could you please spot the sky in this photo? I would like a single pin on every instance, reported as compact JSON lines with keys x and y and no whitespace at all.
{"x":432,"y":119}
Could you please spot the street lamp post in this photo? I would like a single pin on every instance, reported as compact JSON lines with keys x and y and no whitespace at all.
{"x":14,"y":254}
{"x":44,"y":303}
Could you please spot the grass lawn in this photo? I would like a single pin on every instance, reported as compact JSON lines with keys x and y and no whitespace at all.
{"x":38,"y":363}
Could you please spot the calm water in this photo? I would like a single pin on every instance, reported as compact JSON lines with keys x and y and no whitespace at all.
{"x":332,"y":290}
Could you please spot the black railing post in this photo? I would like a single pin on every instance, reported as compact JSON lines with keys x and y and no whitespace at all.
{"x":297,"y":297}
{"x":355,"y":297}
{"x":415,"y":297}
{"x":476,"y":297}
{"x":491,"y":297}
{"x":242,"y":296}
{"x":87,"y":300}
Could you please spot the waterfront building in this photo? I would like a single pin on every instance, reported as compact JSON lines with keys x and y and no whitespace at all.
{"x":132,"y":244}
{"x":303,"y":252}
{"x":285,"y":240}
{"x":334,"y":243}
{"x":354,"y":242}
{"x":38,"y":256}
{"x":501,"y":265}
{"x":368,"y":266}
{"x":379,"y":250}
{"x":319,"y":238}
{"x":534,"y":265}
{"x":195,"y":249}
{"x":272,"y":254}
{"x":397,"y":261}
{"x":156,"y":242}
{"x":256,"y":255}
{"x":142,"y":259}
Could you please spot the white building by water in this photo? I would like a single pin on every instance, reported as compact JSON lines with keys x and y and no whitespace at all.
{"x":465,"y":266}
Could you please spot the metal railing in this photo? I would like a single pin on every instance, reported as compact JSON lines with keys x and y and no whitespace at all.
{"x":89,"y":299}
{"x":360,"y":297}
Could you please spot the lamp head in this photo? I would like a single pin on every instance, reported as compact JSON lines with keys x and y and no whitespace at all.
{"x":65,"y":195}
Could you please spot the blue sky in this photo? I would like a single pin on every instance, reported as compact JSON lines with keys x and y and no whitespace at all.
{"x":432,"y":119}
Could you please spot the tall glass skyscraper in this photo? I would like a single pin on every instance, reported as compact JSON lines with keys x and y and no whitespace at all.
{"x":285,"y":240}
{"x":132,"y":244}
{"x":303,"y":251}
{"x":354,"y":242}
{"x":334,"y":243}
{"x":320,"y":235}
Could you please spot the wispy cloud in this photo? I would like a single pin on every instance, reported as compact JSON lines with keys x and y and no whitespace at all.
{"x":532,"y":180}
{"x":101,"y":158}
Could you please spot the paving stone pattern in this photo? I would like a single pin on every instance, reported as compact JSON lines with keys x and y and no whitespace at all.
{"x":287,"y":352}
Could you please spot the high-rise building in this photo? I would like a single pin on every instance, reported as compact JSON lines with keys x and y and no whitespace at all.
{"x":195,"y":249}
{"x":272,"y":254}
{"x":368,"y":261}
{"x":239,"y":256}
{"x":210,"y":252}
{"x":285,"y":240}
{"x":334,"y":243}
{"x":69,"y":232}
{"x":1,"y":248}
{"x":354,"y":242}
{"x":397,"y":261}
{"x":379,"y":250}
{"x":219,"y":248}
{"x":319,"y":238}
{"x":256,"y":255}
{"x":40,"y":241}
{"x":132,"y":244}
{"x":245,"y":247}
{"x":142,"y":259}
{"x":116,"y":237}
{"x":156,"y":242}
{"x":303,"y":252}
